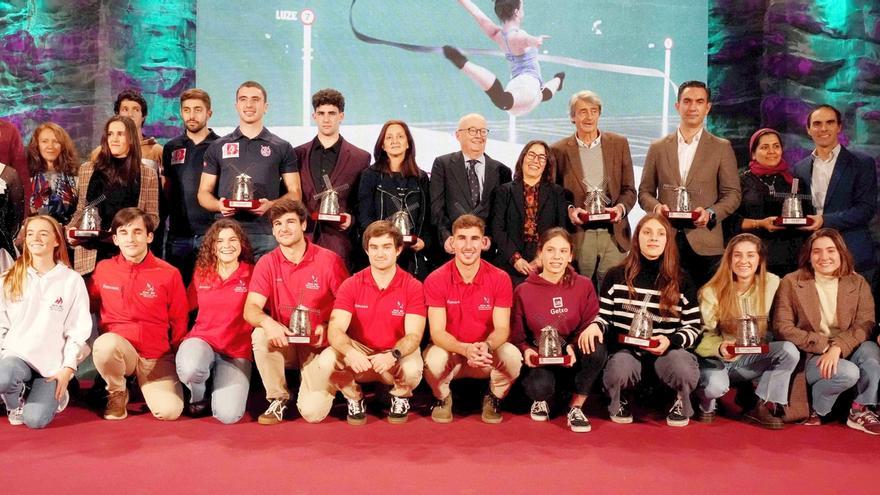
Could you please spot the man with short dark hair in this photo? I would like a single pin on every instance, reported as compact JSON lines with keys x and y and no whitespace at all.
{"x":375,"y":330}
{"x":252,"y":150}
{"x":705,"y":165}
{"x":182,"y":163}
{"x":331,"y":155}
{"x":142,"y":316}
{"x":463,"y":181}
{"x":843,"y":186}
{"x":469,"y":303}
{"x":297,"y":272}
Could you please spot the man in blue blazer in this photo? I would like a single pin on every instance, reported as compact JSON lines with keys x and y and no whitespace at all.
{"x":843,"y":186}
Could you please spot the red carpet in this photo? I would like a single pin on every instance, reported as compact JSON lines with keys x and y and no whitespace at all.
{"x":81,"y":453}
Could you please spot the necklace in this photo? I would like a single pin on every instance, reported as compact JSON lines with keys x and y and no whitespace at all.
{"x":770,"y":187}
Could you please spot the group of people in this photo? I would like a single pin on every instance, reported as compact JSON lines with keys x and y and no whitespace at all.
{"x":501,"y":268}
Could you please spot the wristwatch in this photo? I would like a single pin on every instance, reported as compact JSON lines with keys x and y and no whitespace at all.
{"x":396,"y":354}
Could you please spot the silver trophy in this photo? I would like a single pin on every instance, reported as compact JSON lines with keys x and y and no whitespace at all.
{"x":300,"y":324}
{"x":642,"y":328}
{"x":681,"y":208}
{"x":328,"y":209}
{"x":595,"y":202}
{"x":549,"y":342}
{"x":792,"y":207}
{"x":243,"y":188}
{"x":90,"y":222}
{"x":748,"y":334}
{"x":401,"y":218}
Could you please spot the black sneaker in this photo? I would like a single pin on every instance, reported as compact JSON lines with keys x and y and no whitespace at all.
{"x":357,"y":413}
{"x":676,"y":415}
{"x":705,"y":416}
{"x":622,"y":415}
{"x":399,"y":410}
{"x":199,"y":409}
{"x":539,"y":411}
{"x":577,"y":421}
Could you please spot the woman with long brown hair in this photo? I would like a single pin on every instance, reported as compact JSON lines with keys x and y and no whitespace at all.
{"x":44,"y":325}
{"x":651,"y":271}
{"x":219,"y":342}
{"x":396,"y":182}
{"x":118,"y":175}
{"x":557,"y":296}
{"x":826,"y":309}
{"x":742,"y":281}
{"x":53,"y":163}
{"x":524,"y":208}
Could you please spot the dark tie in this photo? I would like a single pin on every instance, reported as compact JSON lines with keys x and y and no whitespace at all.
{"x":473,"y":182}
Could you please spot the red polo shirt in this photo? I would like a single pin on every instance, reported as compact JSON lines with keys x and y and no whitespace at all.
{"x":377,"y":316}
{"x":143,"y":302}
{"x":313,"y":282}
{"x":469,"y":307}
{"x":220,"y":321}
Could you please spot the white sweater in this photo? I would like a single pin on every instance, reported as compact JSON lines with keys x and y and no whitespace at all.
{"x":49,"y":326}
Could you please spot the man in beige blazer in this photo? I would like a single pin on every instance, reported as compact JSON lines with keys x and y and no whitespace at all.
{"x":706,"y":166}
{"x":591,"y":157}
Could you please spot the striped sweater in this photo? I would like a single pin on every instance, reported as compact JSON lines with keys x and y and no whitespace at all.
{"x":681,"y":330}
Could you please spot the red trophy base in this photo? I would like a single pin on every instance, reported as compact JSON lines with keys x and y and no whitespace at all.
{"x":550,"y":360}
{"x":302,"y":339}
{"x":409,"y":240}
{"x":793,"y":222}
{"x":331,"y":218}
{"x":250,"y":204}
{"x":627,"y":339}
{"x":86,"y":234}
{"x":598,"y":217}
{"x":747,"y":349}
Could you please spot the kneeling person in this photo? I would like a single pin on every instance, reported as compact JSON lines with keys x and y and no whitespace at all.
{"x":374,"y":331}
{"x":142,"y":318}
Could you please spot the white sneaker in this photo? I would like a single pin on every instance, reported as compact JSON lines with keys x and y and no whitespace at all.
{"x":16,"y":416}
{"x":62,"y":404}
{"x":539,"y":411}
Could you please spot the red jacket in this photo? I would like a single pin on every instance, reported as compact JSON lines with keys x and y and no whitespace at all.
{"x":143,"y":302}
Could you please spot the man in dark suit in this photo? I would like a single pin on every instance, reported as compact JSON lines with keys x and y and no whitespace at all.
{"x":463,"y":181}
{"x":592,"y":157}
{"x":706,"y":165}
{"x":329,"y":154}
{"x":843,"y":186}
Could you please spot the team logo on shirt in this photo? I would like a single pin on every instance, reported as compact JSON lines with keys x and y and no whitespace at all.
{"x":178,"y":156}
{"x":313,"y":283}
{"x":241,"y":287}
{"x":58,"y":305}
{"x":398,"y":310}
{"x":558,"y":307}
{"x":557,"y":302}
{"x":265,"y":151}
{"x":110,"y":287}
{"x":230,"y":150}
{"x":149,"y":292}
{"x":486,"y":305}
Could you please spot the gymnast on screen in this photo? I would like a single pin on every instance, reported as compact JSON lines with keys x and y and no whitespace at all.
{"x":526,"y":89}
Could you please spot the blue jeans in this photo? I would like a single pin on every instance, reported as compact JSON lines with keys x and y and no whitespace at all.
{"x":181,"y":252}
{"x":861,"y":369}
{"x":41,"y":406}
{"x":262,"y":244}
{"x":232,"y":377}
{"x":772,"y":370}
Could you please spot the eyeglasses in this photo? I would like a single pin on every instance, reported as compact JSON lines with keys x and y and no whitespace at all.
{"x":473,"y":131}
{"x":542,"y":159}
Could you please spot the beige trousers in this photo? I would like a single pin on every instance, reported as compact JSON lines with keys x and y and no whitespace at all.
{"x":272,"y":361}
{"x":442,"y":366}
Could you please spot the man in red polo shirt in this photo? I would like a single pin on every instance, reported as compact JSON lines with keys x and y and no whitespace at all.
{"x":469,"y":303}
{"x":297,"y":272}
{"x":375,"y":330}
{"x":143,"y":315}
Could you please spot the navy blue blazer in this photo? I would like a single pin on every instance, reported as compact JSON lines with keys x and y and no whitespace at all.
{"x":850,"y":202}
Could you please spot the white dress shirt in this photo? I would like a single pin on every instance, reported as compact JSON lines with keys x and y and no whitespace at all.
{"x":686,"y":152}
{"x":822,"y":170}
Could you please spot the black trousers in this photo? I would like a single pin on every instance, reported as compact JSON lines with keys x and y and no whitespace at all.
{"x":540,"y":383}
{"x":700,"y":268}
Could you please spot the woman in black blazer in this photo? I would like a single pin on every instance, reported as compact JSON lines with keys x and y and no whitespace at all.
{"x":526,"y":207}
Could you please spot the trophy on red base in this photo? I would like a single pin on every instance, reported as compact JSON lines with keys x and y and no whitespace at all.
{"x":402,"y":219}
{"x":642,"y":328}
{"x":242,"y":194}
{"x":792,"y":208}
{"x":90,"y":222}
{"x":681,"y":211}
{"x":300,"y":325}
{"x":551,"y":348}
{"x":328,"y":209}
{"x":748,"y":336}
{"x":596,"y":202}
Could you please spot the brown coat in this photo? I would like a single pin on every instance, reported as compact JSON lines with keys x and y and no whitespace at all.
{"x":148,"y":201}
{"x":797,"y":316}
{"x":618,"y":169}
{"x":713,"y":181}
